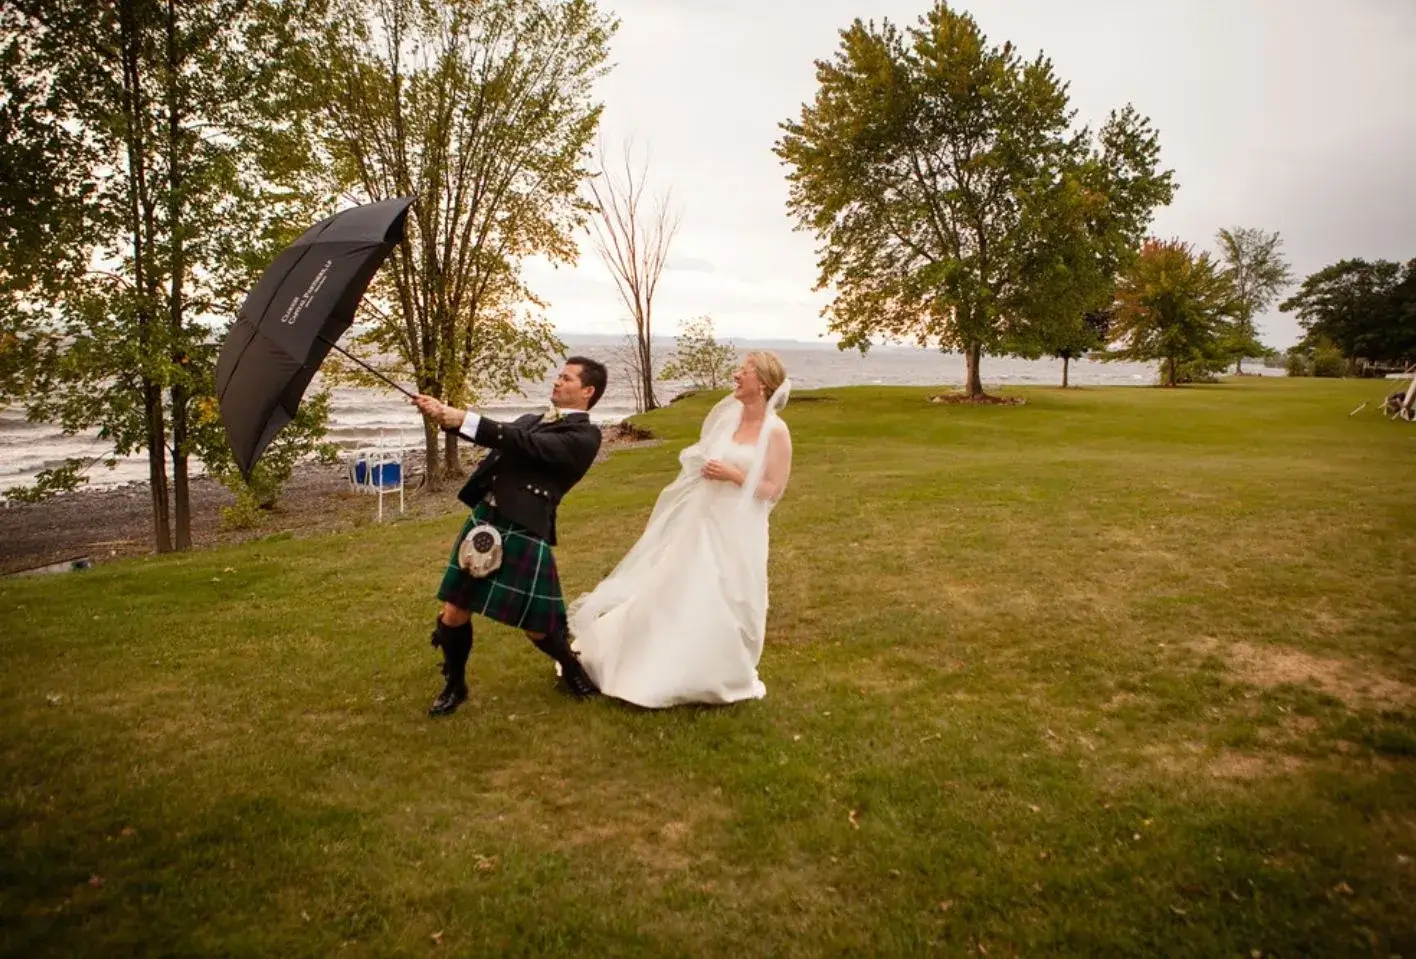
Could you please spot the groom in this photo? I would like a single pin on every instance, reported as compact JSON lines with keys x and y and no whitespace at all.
{"x":531,"y":465}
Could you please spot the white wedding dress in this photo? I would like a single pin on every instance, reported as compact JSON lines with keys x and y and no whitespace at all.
{"x":681,"y":618}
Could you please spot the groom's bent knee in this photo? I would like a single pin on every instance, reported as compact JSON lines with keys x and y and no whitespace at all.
{"x":454,"y":616}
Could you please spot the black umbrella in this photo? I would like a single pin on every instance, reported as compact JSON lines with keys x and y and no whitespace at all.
{"x":292,"y":317}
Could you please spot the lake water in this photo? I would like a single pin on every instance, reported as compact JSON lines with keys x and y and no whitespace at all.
{"x":368,"y":418}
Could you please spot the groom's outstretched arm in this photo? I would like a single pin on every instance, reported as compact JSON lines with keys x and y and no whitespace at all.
{"x":566,"y":449}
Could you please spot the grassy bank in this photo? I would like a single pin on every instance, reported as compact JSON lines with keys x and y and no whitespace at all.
{"x":1115,"y":672}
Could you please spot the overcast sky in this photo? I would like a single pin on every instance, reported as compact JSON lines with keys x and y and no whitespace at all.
{"x":1286,"y":115}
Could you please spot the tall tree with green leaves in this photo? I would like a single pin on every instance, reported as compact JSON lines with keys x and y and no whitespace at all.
{"x":1174,"y":306}
{"x":160,"y":157}
{"x":485,"y":110}
{"x":1259,"y":272}
{"x":1367,"y":309}
{"x":953,"y":199}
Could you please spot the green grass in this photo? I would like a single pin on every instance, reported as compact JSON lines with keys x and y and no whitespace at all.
{"x":1118,"y":672}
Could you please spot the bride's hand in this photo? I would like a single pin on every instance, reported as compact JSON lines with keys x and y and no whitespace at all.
{"x":723,"y":473}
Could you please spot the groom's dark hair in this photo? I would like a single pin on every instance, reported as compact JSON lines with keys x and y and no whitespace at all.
{"x":592,"y":373}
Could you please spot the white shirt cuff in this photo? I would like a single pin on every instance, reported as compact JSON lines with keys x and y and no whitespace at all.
{"x":468,"y":429}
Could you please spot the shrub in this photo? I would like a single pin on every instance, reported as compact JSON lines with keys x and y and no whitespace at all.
{"x":301,"y":438}
{"x":1329,"y":361}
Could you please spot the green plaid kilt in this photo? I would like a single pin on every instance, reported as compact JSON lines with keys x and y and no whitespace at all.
{"x":524,"y":592}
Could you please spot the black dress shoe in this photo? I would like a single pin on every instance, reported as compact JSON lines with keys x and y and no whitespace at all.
{"x":575,"y":680}
{"x":452,"y":696}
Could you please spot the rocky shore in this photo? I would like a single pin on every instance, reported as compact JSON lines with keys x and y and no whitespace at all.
{"x":108,"y":523}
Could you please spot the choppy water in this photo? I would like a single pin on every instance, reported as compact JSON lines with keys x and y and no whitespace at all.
{"x":366,"y":418}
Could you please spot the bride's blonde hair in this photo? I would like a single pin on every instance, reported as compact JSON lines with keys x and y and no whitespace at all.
{"x":770,"y":371}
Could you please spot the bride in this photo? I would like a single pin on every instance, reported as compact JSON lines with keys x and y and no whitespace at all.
{"x":681,"y":618}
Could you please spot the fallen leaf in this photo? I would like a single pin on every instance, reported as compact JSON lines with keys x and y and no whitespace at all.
{"x":796,"y":738}
{"x":854,"y":817}
{"x":437,"y":938}
{"x":946,"y":905}
{"x":304,"y":915}
{"x":1178,"y":911}
{"x":1343,"y":888}
{"x":486,"y":863}
{"x":53,"y":699}
{"x":1137,"y":836}
{"x":128,"y":831}
{"x":982,"y":949}
{"x":96,"y":881}
{"x":229,"y":569}
{"x":1034,"y":808}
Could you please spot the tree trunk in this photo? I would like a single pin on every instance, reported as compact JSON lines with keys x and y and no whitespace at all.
{"x":1239,"y":366}
{"x":181,"y":494}
{"x":1170,"y":371}
{"x":157,"y":467}
{"x":181,"y":487}
{"x":974,"y":386}
{"x":1066,"y":362}
{"x":452,"y":460}
{"x":431,"y":454}
{"x":154,"y":426}
{"x":646,"y":370}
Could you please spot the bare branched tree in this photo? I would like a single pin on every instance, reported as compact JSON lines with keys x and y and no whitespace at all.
{"x":632,"y":234}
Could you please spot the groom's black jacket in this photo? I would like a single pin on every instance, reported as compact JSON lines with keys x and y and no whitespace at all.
{"x":531,"y":466}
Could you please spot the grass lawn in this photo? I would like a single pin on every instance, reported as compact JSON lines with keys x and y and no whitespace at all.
{"x":1117,"y":672}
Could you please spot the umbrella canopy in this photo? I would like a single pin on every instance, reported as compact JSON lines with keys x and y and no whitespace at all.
{"x":293,"y":316}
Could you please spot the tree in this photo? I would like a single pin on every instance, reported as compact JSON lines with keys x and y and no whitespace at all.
{"x":700,"y":358}
{"x":952,"y":200}
{"x":154,"y":156}
{"x":1259,"y":273}
{"x":1173,"y":306}
{"x":1366,"y":309}
{"x":632,"y":235}
{"x":484,"y":110}
{"x":1087,"y":334}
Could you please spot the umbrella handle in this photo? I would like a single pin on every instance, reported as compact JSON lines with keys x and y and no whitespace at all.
{"x":349,"y":356}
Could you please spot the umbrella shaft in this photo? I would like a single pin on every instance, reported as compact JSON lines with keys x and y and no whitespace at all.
{"x":349,"y":356}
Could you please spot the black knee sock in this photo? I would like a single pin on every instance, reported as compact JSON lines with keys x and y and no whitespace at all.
{"x":555,"y":645}
{"x":456,"y":643}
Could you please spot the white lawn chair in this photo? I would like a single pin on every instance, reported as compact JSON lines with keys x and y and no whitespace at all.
{"x":379,"y":471}
{"x":1402,"y":405}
